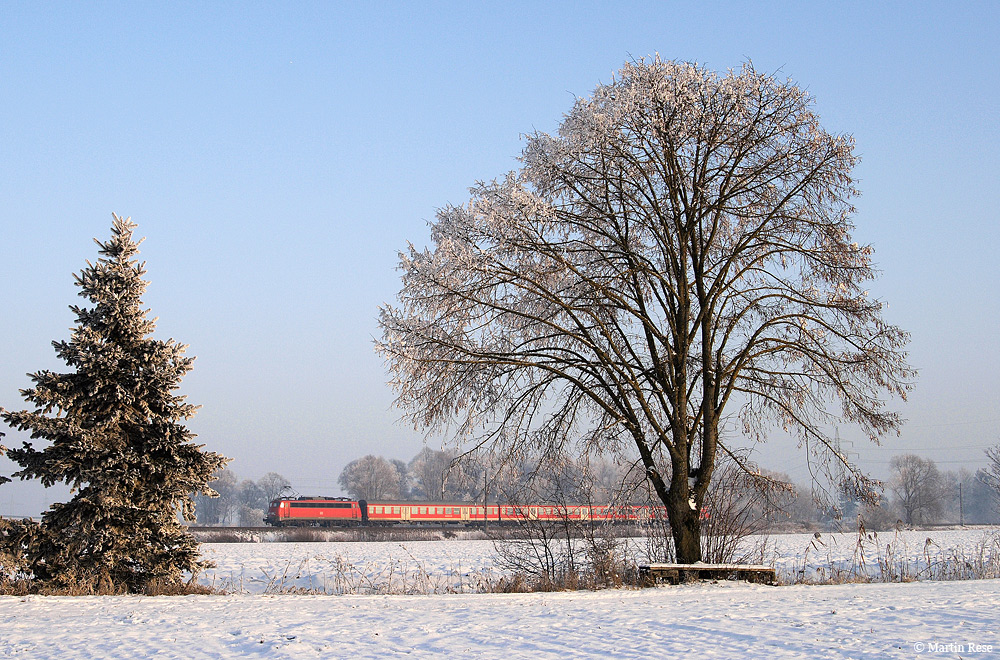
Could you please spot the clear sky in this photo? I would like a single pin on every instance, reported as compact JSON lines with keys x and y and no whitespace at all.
{"x":276,"y":156}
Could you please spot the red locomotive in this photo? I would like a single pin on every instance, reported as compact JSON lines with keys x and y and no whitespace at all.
{"x":325,"y":511}
{"x":329,"y":511}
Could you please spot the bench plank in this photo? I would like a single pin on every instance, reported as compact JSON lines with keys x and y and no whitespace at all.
{"x":672,"y":572}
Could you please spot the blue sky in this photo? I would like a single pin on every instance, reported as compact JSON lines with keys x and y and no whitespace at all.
{"x":276,"y":156}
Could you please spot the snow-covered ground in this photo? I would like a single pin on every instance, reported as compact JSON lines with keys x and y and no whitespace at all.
{"x":722,"y":620}
{"x":905,"y":554}
{"x":336,"y":568}
{"x":460,"y":566}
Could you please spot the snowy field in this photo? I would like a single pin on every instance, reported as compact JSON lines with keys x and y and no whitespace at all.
{"x":461,"y":566}
{"x":723,"y":620}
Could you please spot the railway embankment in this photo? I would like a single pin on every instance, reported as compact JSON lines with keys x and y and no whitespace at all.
{"x":375,"y":533}
{"x":345,"y":534}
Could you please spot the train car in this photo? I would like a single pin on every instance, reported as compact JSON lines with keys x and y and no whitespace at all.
{"x":444,"y":513}
{"x":320,"y":511}
{"x":437,"y":513}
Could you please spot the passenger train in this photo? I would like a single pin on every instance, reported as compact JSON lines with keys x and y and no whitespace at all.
{"x":331,"y":511}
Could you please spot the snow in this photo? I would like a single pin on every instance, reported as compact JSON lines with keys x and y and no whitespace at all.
{"x":724,"y":620}
{"x":443,"y":566}
{"x":708,"y":620}
{"x":260,"y":568}
{"x":910,"y":554}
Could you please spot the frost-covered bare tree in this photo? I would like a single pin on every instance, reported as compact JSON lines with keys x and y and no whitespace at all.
{"x":219,"y":507}
{"x":990,"y":475}
{"x":370,"y":478}
{"x":404,"y":478}
{"x":273,"y":486}
{"x":115,"y":433}
{"x":251,"y":504}
{"x":429,"y":472}
{"x":682,"y":247}
{"x":239,"y":502}
{"x":917,"y":485}
{"x":436,"y":475}
{"x":607,"y":480}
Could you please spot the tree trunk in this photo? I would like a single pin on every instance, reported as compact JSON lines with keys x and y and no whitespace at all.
{"x":685,"y":525}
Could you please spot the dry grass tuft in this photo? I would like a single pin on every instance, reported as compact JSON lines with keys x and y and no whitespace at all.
{"x":879,"y":559}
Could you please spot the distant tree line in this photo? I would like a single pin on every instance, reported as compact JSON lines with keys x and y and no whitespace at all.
{"x":431,"y":475}
{"x":240,"y":502}
{"x":917,"y":492}
{"x":923,"y":494}
{"x":442,"y":475}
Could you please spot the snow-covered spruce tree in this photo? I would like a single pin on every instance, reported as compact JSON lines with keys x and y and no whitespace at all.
{"x":117,"y":438}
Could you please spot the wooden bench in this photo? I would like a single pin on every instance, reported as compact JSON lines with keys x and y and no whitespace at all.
{"x":673,"y":573}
